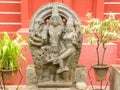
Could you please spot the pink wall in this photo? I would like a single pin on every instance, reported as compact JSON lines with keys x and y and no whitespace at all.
{"x":88,"y":57}
{"x":29,"y":7}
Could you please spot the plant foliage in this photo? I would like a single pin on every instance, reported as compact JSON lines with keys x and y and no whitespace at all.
{"x":10,"y":51}
{"x":101,"y":32}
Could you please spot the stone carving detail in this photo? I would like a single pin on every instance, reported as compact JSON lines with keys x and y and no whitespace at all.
{"x":31,"y":75}
{"x":55,"y":41}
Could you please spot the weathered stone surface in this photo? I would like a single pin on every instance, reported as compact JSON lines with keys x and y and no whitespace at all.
{"x":80,"y":74}
{"x":65,"y":88}
{"x":81,"y":85}
{"x":115,"y":77}
{"x":34,"y":87}
{"x":31,"y":77}
{"x":55,"y":84}
{"x":55,"y":41}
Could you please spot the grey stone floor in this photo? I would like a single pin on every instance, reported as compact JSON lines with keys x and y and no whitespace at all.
{"x":33,"y":87}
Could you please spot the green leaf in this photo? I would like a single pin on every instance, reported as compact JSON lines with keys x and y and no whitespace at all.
{"x":4,"y":50}
{"x":10,"y":50}
{"x":92,"y":40}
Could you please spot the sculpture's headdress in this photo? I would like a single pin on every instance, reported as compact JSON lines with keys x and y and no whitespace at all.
{"x":55,"y":10}
{"x":55,"y":13}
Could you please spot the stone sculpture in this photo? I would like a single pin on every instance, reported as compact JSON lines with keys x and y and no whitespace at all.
{"x":55,"y":41}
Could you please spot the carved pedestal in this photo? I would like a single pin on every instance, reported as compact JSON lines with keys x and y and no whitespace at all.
{"x":80,"y":79}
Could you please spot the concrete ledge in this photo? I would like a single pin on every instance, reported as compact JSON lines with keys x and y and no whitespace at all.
{"x":55,"y":84}
{"x":115,"y":77}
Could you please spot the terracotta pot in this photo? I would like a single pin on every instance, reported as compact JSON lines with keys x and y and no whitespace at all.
{"x":100,"y":71}
{"x":8,"y":74}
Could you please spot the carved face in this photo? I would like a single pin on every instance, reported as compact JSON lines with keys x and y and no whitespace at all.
{"x":69,"y":28}
{"x":55,"y":20}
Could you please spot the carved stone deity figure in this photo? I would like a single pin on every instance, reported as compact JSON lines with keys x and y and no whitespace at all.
{"x":70,"y":41}
{"x":55,"y":45}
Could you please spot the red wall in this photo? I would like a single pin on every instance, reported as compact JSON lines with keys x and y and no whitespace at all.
{"x":10,"y":15}
{"x":26,"y":8}
{"x":80,"y":6}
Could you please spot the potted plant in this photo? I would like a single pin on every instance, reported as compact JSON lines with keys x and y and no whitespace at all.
{"x":101,"y":32}
{"x":10,"y":54}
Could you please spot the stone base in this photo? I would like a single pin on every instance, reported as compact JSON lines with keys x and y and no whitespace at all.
{"x":55,"y":84}
{"x":81,"y":85}
{"x":34,"y":87}
{"x":79,"y":76}
{"x":31,"y":76}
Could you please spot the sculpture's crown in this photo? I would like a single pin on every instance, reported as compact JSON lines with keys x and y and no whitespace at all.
{"x":55,"y":10}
